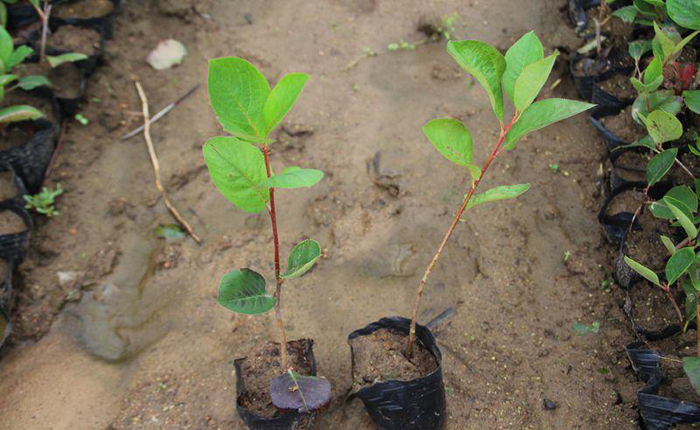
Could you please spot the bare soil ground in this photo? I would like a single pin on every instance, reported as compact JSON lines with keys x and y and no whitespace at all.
{"x":129,"y":335}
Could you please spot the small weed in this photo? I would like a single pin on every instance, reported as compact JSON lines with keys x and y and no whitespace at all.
{"x":43,"y":202}
{"x":554,"y":167}
{"x":81,"y":119}
{"x":582,"y":329}
{"x":566,"y":255}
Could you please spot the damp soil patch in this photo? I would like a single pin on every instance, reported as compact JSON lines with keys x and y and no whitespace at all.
{"x":379,"y":356}
{"x":261,"y":366}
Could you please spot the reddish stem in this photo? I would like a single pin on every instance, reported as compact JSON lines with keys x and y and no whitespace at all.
{"x":279,"y":281}
{"x":455,"y":220}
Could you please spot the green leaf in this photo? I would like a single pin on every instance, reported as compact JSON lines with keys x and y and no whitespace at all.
{"x":474,"y":172}
{"x":30,"y":82}
{"x":524,"y":52}
{"x":6,"y":79}
{"x":69,"y":57}
{"x":668,"y":243}
{"x":666,"y":43}
{"x":18,"y":55}
{"x":680,"y":45}
{"x":282,"y":98}
{"x":664,"y":100}
{"x":238,"y":94}
{"x":486,"y":64}
{"x":293,"y":177}
{"x":19,"y":113}
{"x":647,"y":273}
{"x":687,"y":202}
{"x":170,"y":232}
{"x":302,"y":258}
{"x":237,"y":168}
{"x":685,"y":13}
{"x":647,"y":88}
{"x":638,"y":48}
{"x":243,"y":291}
{"x":451,"y":138}
{"x":660,"y":165}
{"x":502,"y":192}
{"x":6,"y":45}
{"x":662,"y":126}
{"x":543,"y":113}
{"x":683,"y":219}
{"x":626,"y":14}
{"x":644,"y":7}
{"x":691,"y":367}
{"x":531,"y":80}
{"x":679,"y":263}
{"x":653,"y":71}
{"x":3,"y":15}
{"x":582,"y":329}
{"x":692,"y":100}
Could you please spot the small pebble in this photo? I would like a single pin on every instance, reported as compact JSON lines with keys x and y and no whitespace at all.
{"x":549,"y":405}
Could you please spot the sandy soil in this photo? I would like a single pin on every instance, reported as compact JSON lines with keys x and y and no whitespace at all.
{"x":131,"y":336}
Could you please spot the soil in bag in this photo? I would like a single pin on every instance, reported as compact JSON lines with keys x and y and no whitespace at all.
{"x":398,"y":392}
{"x":253,"y":376}
{"x":380,"y":357}
{"x":71,"y":38}
{"x":15,"y":224}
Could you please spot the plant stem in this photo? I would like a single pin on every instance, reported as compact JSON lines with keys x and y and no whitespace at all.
{"x":679,"y":314}
{"x":44,"y":17}
{"x":458,"y":215}
{"x":279,"y":281}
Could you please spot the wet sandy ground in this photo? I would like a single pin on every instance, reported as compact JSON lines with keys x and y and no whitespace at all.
{"x":138,"y":341}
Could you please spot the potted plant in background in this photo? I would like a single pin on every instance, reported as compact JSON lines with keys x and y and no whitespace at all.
{"x":276,"y":387}
{"x":397,"y":369}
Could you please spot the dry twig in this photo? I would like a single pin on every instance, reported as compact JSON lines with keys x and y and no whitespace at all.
{"x":156,"y":165}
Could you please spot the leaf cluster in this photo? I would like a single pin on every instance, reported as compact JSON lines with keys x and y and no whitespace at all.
{"x":520,"y":74}
{"x":43,"y":202}
{"x":249,"y":110}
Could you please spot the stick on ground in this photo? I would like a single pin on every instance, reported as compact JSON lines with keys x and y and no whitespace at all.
{"x":156,"y":165}
{"x":160,"y":114}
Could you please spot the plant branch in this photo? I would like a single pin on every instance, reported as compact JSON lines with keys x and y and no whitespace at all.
{"x":156,"y":164}
{"x":679,"y":314}
{"x":278,"y":280}
{"x":455,"y":220}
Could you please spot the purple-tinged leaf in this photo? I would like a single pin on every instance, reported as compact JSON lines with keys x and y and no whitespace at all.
{"x":299,"y":392}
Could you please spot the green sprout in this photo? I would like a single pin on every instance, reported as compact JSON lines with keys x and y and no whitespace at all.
{"x":43,"y":201}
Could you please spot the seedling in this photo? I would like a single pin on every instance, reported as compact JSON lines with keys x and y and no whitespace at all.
{"x":679,"y":206}
{"x":43,"y":202}
{"x":521,"y":74}
{"x":9,"y":58}
{"x":240,"y":168}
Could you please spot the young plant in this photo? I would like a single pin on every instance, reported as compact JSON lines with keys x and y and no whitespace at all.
{"x":240,"y":167}
{"x":43,"y":202}
{"x":679,"y":206}
{"x":9,"y":58}
{"x":521,"y":74}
